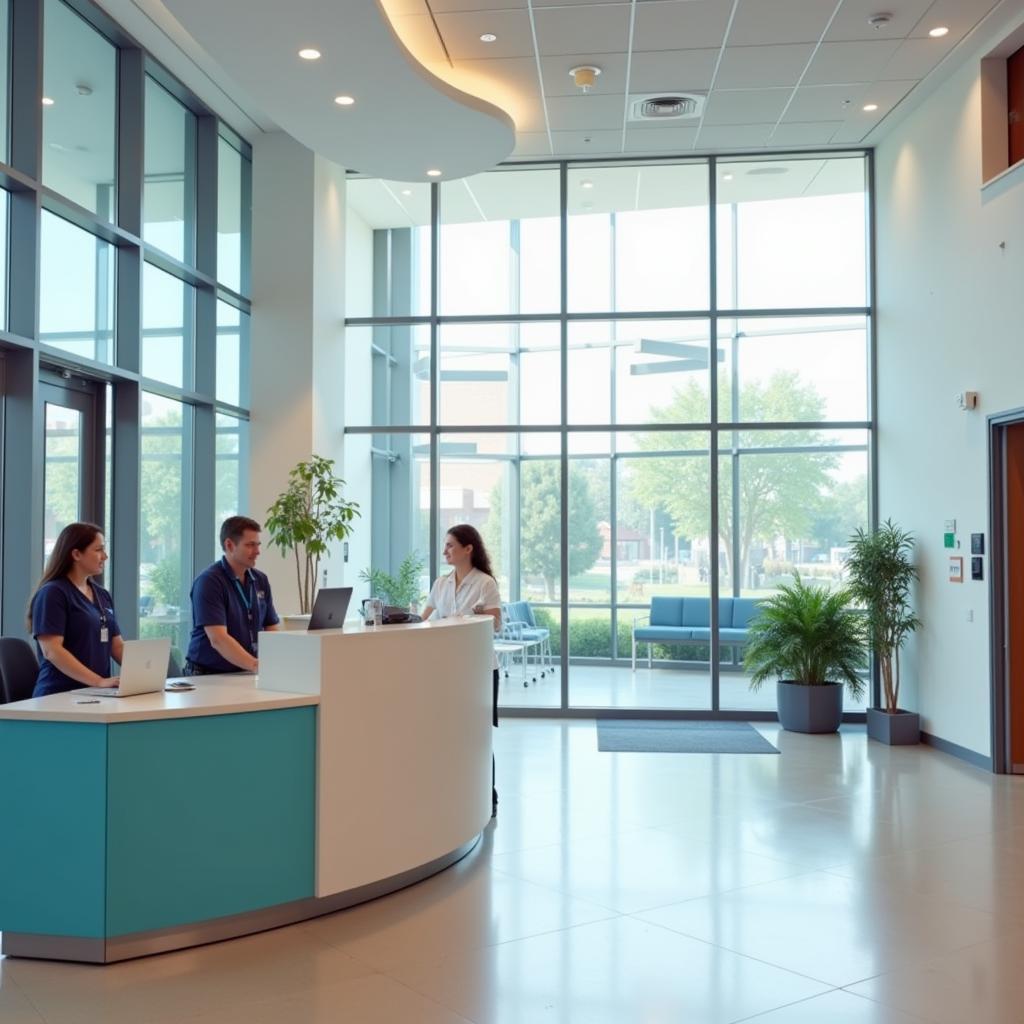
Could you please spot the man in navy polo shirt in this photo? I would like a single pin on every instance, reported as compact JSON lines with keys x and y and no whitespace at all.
{"x":231,"y":603}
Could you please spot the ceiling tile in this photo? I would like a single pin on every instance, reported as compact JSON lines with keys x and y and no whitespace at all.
{"x":600,"y":28}
{"x":959,"y":16}
{"x":852,"y":20}
{"x":746,"y":106}
{"x":420,"y":37}
{"x":399,"y":8}
{"x":679,"y":25}
{"x":733,"y":136}
{"x":672,"y":70}
{"x":859,"y":122}
{"x":447,"y":6}
{"x":809,"y":133}
{"x":917,"y":57}
{"x":850,"y":62}
{"x":824,"y":102}
{"x":585,"y":113}
{"x":537,"y":4}
{"x":756,"y":67}
{"x":558,"y":81}
{"x":461,"y":34}
{"x":760,"y":22}
{"x":603,"y":143}
{"x":663,"y":139}
{"x":530,"y":144}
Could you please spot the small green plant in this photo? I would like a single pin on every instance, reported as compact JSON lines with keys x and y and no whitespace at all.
{"x":401,"y":591}
{"x":807,"y":635}
{"x":881,"y":574}
{"x":306,"y":517}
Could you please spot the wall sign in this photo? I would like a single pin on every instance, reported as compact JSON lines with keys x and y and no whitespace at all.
{"x":956,"y":569}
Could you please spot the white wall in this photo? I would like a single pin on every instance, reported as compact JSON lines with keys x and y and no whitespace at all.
{"x":298,"y":274}
{"x":951,"y":316}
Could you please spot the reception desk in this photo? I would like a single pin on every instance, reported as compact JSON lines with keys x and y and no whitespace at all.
{"x":355,"y":764}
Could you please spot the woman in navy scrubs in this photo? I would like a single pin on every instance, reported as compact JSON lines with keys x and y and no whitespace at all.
{"x":72,"y":617}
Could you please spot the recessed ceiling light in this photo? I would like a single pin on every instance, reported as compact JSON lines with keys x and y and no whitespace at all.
{"x":309,"y":53}
{"x":406,"y":191}
{"x":586,"y":184}
{"x":938,"y":32}
{"x":47,"y":101}
{"x":726,"y":177}
{"x":344,"y":101}
{"x":488,"y":37}
{"x":870,"y":108}
{"x":433,"y":173}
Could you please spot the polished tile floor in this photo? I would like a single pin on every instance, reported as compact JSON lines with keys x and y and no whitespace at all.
{"x":661,"y":688}
{"x":839,"y":883}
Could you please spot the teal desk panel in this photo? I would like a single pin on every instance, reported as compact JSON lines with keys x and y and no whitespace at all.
{"x":53,"y":825}
{"x":209,"y":817}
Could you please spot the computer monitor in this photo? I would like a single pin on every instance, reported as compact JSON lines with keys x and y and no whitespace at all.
{"x":330,"y":607}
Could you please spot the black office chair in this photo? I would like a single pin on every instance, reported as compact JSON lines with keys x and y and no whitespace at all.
{"x":18,"y":669}
{"x":173,"y":666}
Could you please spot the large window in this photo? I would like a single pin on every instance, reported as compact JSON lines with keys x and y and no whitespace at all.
{"x":126,"y":318}
{"x":169,"y":201}
{"x":79,"y":111}
{"x":658,"y":423}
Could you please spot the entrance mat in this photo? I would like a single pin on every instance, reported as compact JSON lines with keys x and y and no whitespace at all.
{"x":680,"y":737}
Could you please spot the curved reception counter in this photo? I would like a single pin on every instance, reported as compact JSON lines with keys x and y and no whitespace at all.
{"x":356,"y":763}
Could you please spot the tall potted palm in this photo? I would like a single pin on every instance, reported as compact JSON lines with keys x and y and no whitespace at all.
{"x":306,"y":517}
{"x":881,"y":573}
{"x":813,"y":642}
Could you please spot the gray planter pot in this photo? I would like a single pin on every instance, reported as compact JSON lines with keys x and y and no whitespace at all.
{"x":897,"y":729}
{"x":805,"y":708}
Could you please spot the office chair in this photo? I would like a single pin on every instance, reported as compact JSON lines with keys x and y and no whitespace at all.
{"x":18,"y":669}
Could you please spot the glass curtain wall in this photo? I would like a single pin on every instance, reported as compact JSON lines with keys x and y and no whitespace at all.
{"x":675,"y":407}
{"x":140,"y":304}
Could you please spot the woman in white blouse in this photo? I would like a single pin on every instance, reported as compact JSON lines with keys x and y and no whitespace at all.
{"x":470,"y":589}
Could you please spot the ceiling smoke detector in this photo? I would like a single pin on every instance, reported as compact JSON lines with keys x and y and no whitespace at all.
{"x":585,"y":76}
{"x":666,"y":107}
{"x":877,"y":21}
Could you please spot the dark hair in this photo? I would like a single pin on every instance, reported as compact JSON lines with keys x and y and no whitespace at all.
{"x":466,"y":535}
{"x":74,"y":537}
{"x":234,"y":526}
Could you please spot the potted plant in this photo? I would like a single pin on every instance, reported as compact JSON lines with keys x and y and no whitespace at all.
{"x":401,"y":591}
{"x":306,"y":517}
{"x":881,"y":573}
{"x":813,"y":641}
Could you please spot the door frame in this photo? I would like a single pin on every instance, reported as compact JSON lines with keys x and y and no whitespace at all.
{"x":998,"y":423}
{"x":89,"y":398}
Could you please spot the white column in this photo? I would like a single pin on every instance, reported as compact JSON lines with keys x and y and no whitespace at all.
{"x":298,"y":274}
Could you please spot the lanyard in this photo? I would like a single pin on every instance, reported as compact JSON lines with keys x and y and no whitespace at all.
{"x":246,"y":599}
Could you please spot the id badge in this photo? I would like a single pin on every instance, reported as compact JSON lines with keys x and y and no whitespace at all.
{"x":104,"y":635}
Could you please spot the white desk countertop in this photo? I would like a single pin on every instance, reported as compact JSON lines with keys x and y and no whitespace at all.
{"x":213,"y":695}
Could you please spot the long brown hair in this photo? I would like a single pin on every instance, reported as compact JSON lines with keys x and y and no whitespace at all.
{"x":74,"y":537}
{"x":466,"y":535}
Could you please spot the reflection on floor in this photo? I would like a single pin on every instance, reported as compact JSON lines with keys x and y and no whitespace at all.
{"x":595,"y":686}
{"x":842,"y":882}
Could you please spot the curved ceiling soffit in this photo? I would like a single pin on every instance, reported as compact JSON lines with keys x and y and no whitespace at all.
{"x":405,"y":120}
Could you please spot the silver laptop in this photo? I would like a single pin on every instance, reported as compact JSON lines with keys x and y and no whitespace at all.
{"x":143,"y":669}
{"x":330,"y":608}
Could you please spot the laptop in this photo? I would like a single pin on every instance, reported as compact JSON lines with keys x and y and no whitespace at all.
{"x":143,"y":669}
{"x":330,"y":607}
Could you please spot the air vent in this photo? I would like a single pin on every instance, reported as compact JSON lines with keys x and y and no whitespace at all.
{"x":674,"y":106}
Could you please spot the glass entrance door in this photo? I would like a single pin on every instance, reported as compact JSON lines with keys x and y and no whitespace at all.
{"x":72,"y":474}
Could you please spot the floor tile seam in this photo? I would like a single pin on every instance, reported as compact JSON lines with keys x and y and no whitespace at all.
{"x":829,"y":985}
{"x":430,"y":999}
{"x":889,"y":1006}
{"x":26,"y":995}
{"x":614,"y":911}
{"x":761,"y":1014}
{"x":719,"y":893}
{"x":1018,"y":922}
